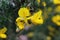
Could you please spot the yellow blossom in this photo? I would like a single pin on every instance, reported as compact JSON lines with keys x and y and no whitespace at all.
{"x":2,"y":32}
{"x":56,"y":20}
{"x":57,"y":9}
{"x":37,"y":18}
{"x":24,"y":12}
{"x":2,"y":35}
{"x":56,"y":2}
{"x":22,"y":19}
{"x":20,"y":23}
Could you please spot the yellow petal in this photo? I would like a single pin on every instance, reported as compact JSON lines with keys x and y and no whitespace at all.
{"x":19,"y":19}
{"x":56,"y":2}
{"x":3,"y":35}
{"x":57,"y":9}
{"x":38,"y":13}
{"x":56,"y":20}
{"x":3,"y":30}
{"x":20,"y":23}
{"x":24,"y":12}
{"x":37,"y":18}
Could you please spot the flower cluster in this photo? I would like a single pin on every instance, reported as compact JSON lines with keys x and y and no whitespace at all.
{"x":25,"y":18}
{"x":42,"y":14}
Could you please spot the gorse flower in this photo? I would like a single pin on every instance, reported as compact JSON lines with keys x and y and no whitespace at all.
{"x":56,"y":20}
{"x":25,"y":18}
{"x":57,"y":9}
{"x":2,"y":32}
{"x":24,"y":12}
{"x":56,"y":2}
{"x":22,"y":19}
{"x":20,"y":23}
{"x":37,"y":18}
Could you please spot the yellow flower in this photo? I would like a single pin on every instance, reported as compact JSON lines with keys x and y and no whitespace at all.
{"x":38,"y":1}
{"x":56,"y":2}
{"x":22,"y":19}
{"x":37,"y":18}
{"x":24,"y":12}
{"x":2,"y":32}
{"x":20,"y":23}
{"x":2,"y":35}
{"x":56,"y":20}
{"x":44,"y":4}
{"x":57,"y":9}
